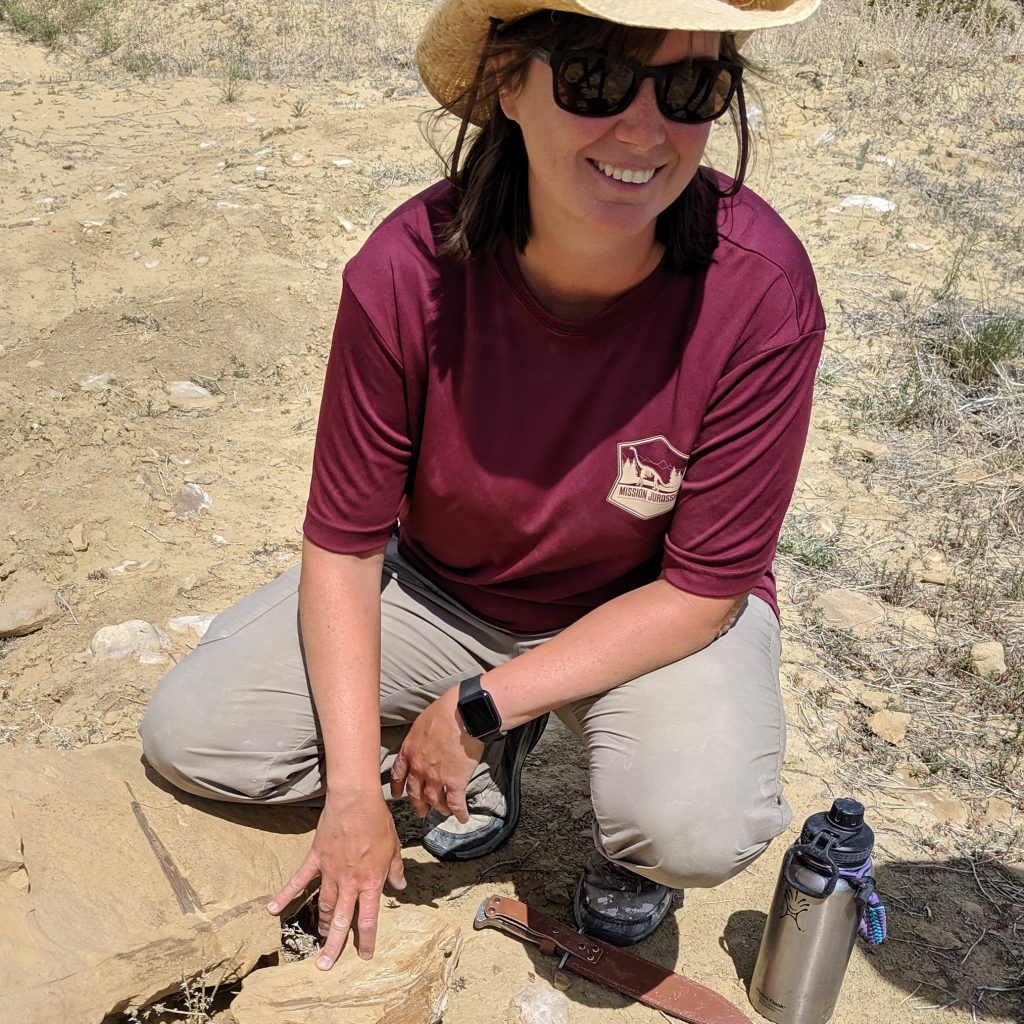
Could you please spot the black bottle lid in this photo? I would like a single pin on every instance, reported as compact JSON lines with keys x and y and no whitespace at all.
{"x":842,"y":831}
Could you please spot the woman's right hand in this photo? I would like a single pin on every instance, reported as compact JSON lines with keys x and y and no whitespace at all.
{"x":355,"y":850}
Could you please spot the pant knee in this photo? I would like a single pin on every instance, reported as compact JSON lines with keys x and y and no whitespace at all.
{"x":170,"y":731}
{"x":692,"y":851}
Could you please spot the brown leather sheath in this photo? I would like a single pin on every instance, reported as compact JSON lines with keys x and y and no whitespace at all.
{"x":644,"y":981}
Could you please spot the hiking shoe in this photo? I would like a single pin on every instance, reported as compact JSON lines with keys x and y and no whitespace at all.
{"x":449,"y":839}
{"x":616,"y":905}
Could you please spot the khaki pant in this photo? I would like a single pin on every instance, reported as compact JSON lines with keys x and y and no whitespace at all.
{"x":684,"y":761}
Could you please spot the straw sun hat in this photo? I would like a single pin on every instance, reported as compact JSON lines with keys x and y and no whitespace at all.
{"x":450,"y":48}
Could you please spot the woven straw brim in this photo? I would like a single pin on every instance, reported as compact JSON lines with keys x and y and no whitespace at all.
{"x":449,"y":50}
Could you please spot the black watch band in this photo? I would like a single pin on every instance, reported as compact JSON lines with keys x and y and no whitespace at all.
{"x":479,"y":714}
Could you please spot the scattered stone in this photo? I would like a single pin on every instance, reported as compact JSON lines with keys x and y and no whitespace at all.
{"x":194,"y":626}
{"x":298,"y":159}
{"x":346,"y":225}
{"x":131,"y":888}
{"x":207,"y":143}
{"x":876,"y":203}
{"x":125,"y":639}
{"x":883,"y":57}
{"x":343,"y":161}
{"x":933,"y":568}
{"x":94,"y":381}
{"x":191,"y":397}
{"x":825,"y":527}
{"x":220,"y":541}
{"x":320,"y":264}
{"x":877,"y":700}
{"x":850,"y":610}
{"x":972,"y":909}
{"x":191,"y":501}
{"x":35,"y":364}
{"x":869,"y":451}
{"x":562,"y":981}
{"x":890,"y":726}
{"x":915,"y":621}
{"x":129,"y":567}
{"x":998,"y":811}
{"x":408,"y":981}
{"x":943,"y":806}
{"x":77,"y":538}
{"x":538,"y":1004}
{"x":151,"y":264}
{"x":26,"y":605}
{"x":988,"y":659}
{"x":201,"y":261}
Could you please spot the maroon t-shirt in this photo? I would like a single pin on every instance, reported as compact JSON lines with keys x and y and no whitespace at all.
{"x":542,"y":466}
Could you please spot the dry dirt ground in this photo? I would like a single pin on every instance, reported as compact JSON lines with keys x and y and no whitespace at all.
{"x":153,"y":232}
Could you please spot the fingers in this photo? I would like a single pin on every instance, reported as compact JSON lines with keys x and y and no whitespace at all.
{"x":339,"y":922}
{"x":369,"y":912}
{"x":396,"y":872}
{"x":399,"y":771}
{"x":457,"y":804}
{"x":295,"y":886}
{"x":326,"y":903}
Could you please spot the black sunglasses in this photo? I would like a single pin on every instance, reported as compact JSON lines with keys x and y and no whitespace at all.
{"x":591,"y":84}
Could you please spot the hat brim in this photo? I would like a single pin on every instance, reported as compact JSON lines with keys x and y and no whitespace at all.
{"x":449,"y":49}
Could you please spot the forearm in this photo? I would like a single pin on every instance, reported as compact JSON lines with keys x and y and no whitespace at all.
{"x":339,"y":610}
{"x":636,"y":633}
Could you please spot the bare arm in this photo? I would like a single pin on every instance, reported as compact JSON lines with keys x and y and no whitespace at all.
{"x":355,"y":849}
{"x":339,"y":608}
{"x":627,"y":637}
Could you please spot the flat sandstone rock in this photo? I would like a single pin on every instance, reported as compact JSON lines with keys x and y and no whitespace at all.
{"x":112,"y":889}
{"x":407,"y":982}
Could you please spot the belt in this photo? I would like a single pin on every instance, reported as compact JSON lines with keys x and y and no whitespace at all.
{"x":646,"y":982}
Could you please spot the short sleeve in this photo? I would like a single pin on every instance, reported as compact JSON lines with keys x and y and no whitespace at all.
{"x":363,"y":442}
{"x":743,"y":470}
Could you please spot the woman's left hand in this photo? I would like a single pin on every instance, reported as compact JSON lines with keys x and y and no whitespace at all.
{"x":437,"y":760}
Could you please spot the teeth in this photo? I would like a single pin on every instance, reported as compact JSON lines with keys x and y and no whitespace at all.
{"x":624,"y":174}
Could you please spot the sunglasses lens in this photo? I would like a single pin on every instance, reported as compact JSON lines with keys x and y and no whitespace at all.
{"x":696,"y":92}
{"x":592,"y":86}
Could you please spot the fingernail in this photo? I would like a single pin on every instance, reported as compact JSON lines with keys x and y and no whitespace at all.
{"x":274,"y":908}
{"x":324,"y":963}
{"x":366,"y":956}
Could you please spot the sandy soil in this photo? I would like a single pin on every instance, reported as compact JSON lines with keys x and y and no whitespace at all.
{"x":153,"y":233}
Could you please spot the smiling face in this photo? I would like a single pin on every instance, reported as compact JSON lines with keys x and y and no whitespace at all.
{"x":599,"y":178}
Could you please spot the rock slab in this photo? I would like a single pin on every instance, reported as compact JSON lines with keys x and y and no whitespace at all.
{"x":113,"y":889}
{"x":850,"y":610}
{"x":26,"y":605}
{"x":408,"y":981}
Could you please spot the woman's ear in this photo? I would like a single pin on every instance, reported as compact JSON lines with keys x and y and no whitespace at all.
{"x":507,"y":100}
{"x":507,"y":93}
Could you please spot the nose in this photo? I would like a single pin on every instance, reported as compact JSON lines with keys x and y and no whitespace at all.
{"x":642,"y":124}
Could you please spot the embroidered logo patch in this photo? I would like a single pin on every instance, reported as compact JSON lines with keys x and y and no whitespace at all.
{"x":650,"y":472}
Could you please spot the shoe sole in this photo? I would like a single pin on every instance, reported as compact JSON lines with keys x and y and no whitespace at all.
{"x":617,"y":934}
{"x":530,"y":735}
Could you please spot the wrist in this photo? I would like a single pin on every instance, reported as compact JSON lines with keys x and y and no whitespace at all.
{"x":476,"y":711}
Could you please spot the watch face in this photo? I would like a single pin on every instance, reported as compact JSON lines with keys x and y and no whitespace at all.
{"x":479,"y":714}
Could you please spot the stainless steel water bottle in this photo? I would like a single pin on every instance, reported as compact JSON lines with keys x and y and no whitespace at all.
{"x":814,"y":916}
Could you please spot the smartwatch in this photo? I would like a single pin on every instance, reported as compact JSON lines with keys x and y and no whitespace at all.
{"x":478,"y":712}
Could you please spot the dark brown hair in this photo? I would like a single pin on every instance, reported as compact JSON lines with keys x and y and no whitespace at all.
{"x":492,"y":180}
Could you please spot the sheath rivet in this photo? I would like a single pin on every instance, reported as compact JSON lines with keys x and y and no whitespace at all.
{"x":583,"y":945}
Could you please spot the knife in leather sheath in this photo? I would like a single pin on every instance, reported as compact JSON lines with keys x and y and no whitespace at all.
{"x":646,"y":982}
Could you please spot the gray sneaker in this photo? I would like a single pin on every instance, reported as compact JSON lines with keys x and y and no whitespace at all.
{"x":616,"y":905}
{"x":449,"y":839}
